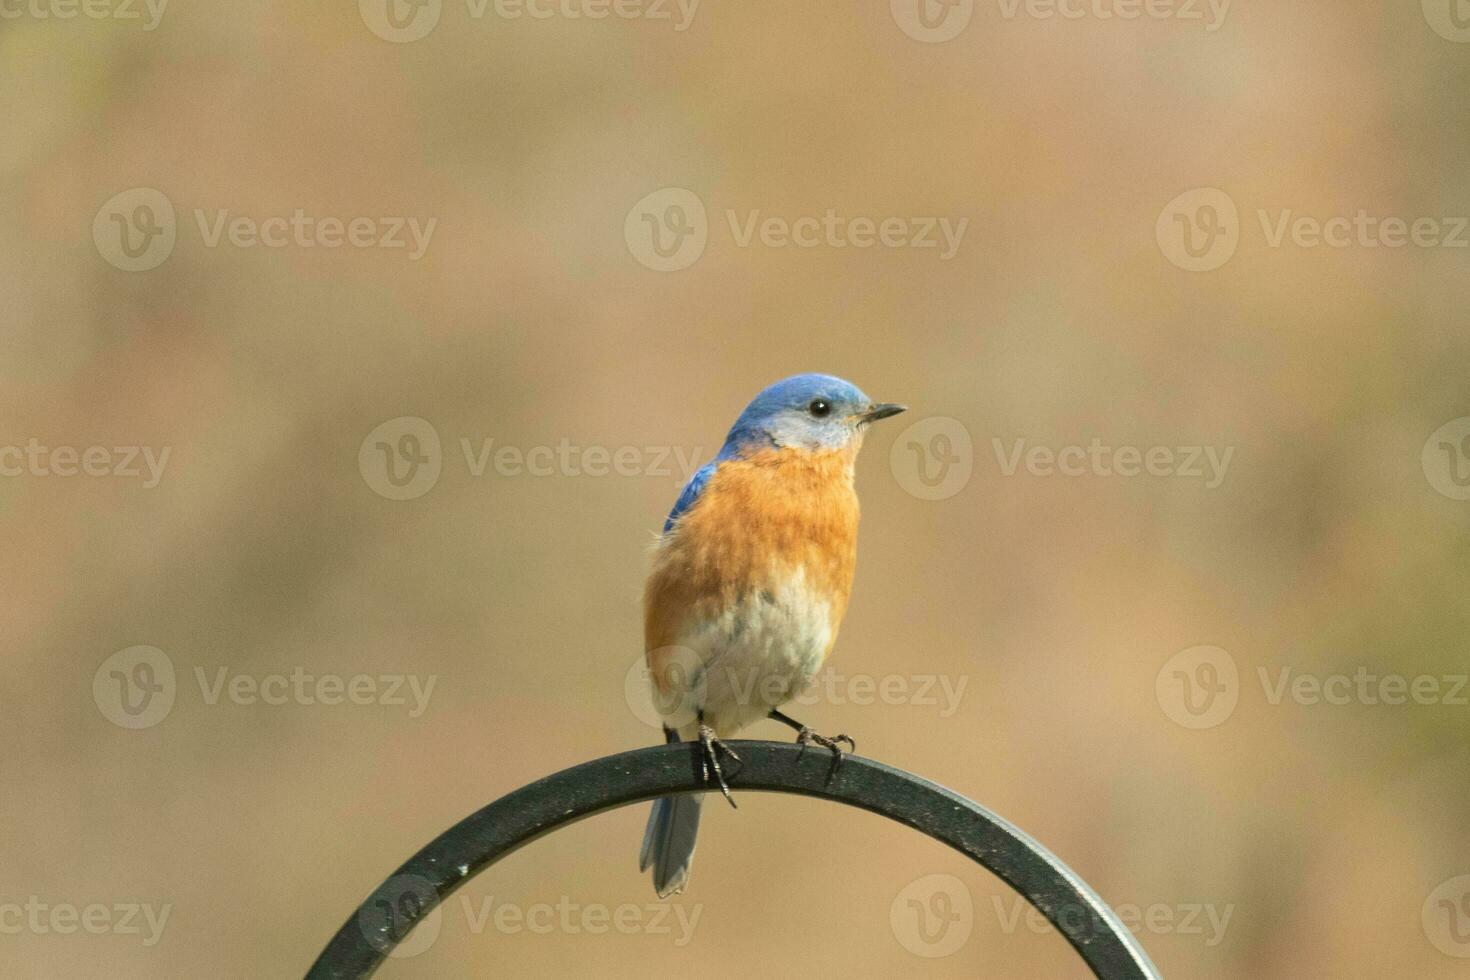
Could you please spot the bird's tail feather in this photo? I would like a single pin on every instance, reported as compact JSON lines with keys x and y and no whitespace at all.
{"x":668,"y":843}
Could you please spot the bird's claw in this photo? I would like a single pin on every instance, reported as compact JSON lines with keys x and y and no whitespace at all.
{"x":712,"y":749}
{"x":807,"y":737}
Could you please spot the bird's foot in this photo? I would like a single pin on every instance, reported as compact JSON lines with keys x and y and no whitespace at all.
{"x":713,"y":748}
{"x":805,"y":736}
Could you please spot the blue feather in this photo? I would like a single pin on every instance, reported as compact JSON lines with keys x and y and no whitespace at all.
{"x":778,"y":417}
{"x":768,"y":417}
{"x":668,"y":843}
{"x":691,"y":493}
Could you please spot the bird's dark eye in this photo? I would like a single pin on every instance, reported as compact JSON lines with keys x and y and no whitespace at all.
{"x":820,"y":408}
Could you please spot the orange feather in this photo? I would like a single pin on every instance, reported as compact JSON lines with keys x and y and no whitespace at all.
{"x":775,"y":512}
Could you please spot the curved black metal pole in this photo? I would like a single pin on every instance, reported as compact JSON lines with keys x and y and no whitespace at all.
{"x":486,"y":836}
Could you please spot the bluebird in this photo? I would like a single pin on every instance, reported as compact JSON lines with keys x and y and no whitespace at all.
{"x":749,"y":583}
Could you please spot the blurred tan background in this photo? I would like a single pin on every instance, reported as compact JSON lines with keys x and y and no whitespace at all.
{"x":1267,"y":837}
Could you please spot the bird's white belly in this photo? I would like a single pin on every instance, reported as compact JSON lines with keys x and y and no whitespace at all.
{"x":760,"y":653}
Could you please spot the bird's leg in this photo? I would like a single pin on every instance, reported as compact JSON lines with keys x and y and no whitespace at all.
{"x":805,"y":736}
{"x":712,"y":749}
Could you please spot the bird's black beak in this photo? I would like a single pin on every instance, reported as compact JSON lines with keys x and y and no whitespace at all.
{"x":882,"y":410}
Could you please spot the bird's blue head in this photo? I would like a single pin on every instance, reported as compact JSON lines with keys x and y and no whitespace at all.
{"x":807,"y":411}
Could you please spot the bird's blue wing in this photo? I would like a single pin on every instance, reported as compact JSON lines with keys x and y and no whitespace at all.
{"x":691,"y":493}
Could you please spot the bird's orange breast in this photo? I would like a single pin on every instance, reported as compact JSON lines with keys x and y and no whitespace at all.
{"x":761,"y":520}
